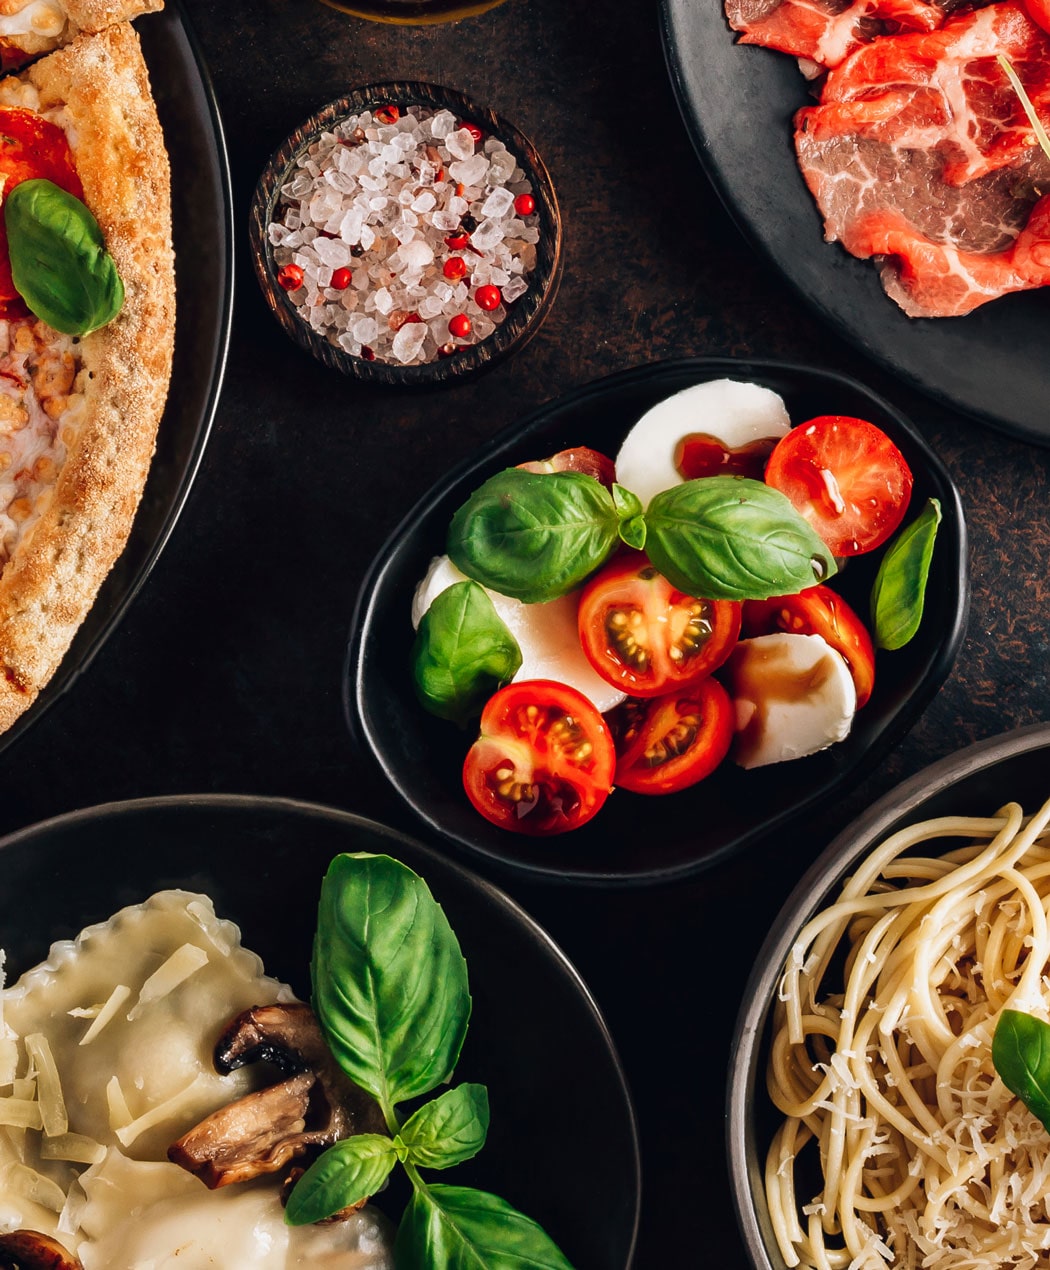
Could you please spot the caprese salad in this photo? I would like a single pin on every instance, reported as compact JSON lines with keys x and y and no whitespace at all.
{"x":634,"y":623}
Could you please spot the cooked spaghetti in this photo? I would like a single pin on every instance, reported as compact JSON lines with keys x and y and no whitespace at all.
{"x":901,"y":1145}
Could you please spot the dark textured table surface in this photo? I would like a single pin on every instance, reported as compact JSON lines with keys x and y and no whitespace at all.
{"x":225,"y":674}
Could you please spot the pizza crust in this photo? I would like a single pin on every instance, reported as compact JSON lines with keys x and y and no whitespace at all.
{"x":29,"y":28}
{"x":47,"y":587}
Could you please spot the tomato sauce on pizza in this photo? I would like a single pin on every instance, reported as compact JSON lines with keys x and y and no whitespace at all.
{"x":31,"y":147}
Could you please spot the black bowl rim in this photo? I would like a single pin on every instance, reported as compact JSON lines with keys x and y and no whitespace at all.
{"x":263,"y":802}
{"x":355,"y":693}
{"x":525,"y":315}
{"x":808,"y":896}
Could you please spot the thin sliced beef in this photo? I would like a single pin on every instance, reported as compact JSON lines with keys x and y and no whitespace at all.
{"x":944,"y":92}
{"x":929,"y":279}
{"x":827,"y":31}
{"x":920,"y":153}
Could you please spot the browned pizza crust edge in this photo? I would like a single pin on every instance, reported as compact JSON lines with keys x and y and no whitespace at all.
{"x":81,"y":15}
{"x":52,"y":579}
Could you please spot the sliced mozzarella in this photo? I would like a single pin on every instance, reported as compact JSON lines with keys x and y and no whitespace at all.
{"x":793,"y":695}
{"x":735,"y":414}
{"x":546,"y":633}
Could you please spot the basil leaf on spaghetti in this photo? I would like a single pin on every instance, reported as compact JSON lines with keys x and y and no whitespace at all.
{"x":1021,"y":1054}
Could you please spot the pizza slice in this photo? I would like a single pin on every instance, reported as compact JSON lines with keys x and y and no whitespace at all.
{"x":78,"y":411}
{"x":29,"y":28}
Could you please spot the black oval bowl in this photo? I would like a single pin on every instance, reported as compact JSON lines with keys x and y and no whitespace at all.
{"x":536,"y":1037}
{"x":422,"y":756}
{"x":524,"y":316}
{"x":976,"y":781}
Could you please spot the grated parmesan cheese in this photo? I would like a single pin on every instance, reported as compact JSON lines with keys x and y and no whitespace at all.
{"x":21,"y":1113}
{"x":119,"y":1112}
{"x":49,"y":1086}
{"x":76,"y":1147}
{"x":170,"y":1108}
{"x":182,"y":963}
{"x":105,"y":1012}
{"x":26,"y":1182}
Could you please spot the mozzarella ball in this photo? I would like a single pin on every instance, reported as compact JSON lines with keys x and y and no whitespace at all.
{"x":733,"y":413}
{"x":792,"y":695}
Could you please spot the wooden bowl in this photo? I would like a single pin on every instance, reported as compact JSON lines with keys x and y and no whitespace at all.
{"x":524,"y":315}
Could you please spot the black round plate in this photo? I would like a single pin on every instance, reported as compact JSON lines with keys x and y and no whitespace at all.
{"x":634,"y":838}
{"x":562,"y":1145}
{"x":975,"y":781}
{"x":202,"y":220}
{"x":738,"y":102}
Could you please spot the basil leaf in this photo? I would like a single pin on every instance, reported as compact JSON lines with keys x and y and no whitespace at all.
{"x":59,"y":261}
{"x":457,"y":1228}
{"x":732,"y":538}
{"x":348,"y":1172}
{"x":389,"y":980}
{"x":533,"y":536}
{"x":448,"y":1130}
{"x":462,"y":653}
{"x":629,"y":509}
{"x":899,"y":590}
{"x":1021,"y":1054}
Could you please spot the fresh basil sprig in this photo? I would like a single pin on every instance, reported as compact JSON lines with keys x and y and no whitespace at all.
{"x":537,"y":536}
{"x":462,"y":653}
{"x":733,"y":538}
{"x":1021,"y":1054}
{"x":390,"y":991}
{"x":899,"y":590}
{"x":59,"y":262}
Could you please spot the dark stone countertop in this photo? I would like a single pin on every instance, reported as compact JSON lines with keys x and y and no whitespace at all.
{"x":225,"y":674}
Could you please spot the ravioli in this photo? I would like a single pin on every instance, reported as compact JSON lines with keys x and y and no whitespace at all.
{"x":129,"y":1013}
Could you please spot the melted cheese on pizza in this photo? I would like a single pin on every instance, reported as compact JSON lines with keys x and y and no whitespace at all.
{"x":40,"y":410}
{"x":37,"y":17}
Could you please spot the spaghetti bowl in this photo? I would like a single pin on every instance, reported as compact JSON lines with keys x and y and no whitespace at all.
{"x":868,"y":1123}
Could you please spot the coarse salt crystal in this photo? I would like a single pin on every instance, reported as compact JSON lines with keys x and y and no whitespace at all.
{"x":416,"y":254}
{"x":498,"y":202}
{"x":461,"y":145}
{"x":442,"y":124}
{"x":408,"y":341}
{"x":470,"y":171}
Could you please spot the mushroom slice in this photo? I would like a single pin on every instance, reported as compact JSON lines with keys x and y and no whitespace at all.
{"x":30,"y":1250}
{"x":315,"y":1105}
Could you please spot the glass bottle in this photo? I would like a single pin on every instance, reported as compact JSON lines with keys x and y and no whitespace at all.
{"x":406,"y":12}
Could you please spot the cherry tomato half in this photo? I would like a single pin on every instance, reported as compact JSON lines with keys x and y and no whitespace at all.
{"x":544,"y":761}
{"x":579,"y":459}
{"x":846,"y":477}
{"x":643,"y":635}
{"x":31,"y":147}
{"x":819,"y":611}
{"x":668,"y":743}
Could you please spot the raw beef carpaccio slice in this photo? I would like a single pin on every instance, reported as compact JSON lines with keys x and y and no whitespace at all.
{"x":825,"y":32}
{"x":920,"y":152}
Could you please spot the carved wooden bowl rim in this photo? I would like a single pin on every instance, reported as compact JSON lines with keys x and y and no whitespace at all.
{"x":524,"y":316}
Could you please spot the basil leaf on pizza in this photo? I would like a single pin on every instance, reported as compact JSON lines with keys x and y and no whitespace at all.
{"x":59,"y":262}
